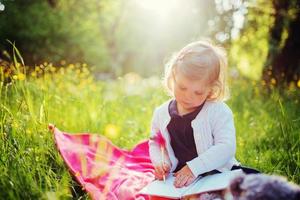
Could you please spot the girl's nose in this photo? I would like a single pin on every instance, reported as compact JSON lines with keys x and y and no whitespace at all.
{"x":188,"y":96}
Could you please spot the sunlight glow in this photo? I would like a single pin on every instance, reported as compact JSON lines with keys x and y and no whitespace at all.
{"x":2,"y":7}
{"x":111,"y":131}
{"x":160,"y":8}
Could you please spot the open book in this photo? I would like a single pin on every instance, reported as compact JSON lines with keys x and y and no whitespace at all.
{"x":201,"y":184}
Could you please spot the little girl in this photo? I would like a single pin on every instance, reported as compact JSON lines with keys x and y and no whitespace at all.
{"x":196,"y":124}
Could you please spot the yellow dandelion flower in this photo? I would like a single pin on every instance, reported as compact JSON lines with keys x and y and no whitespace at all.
{"x":71,"y":66}
{"x":33,"y":74}
{"x":15,"y":77}
{"x":52,"y":69}
{"x":28,"y":132}
{"x":37,"y":68}
{"x":273,"y":81}
{"x":15,"y":125}
{"x":89,"y":80}
{"x":7,"y":73}
{"x":298,"y":83}
{"x":242,"y":143}
{"x":62,"y":71}
{"x":63,"y":62}
{"x":21,"y":76}
{"x":82,"y":75}
{"x":111,"y":131}
{"x":85,"y":71}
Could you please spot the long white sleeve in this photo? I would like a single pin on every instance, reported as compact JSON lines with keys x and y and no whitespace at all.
{"x":224,"y":146}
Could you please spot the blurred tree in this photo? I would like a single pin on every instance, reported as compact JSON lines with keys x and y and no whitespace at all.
{"x":52,"y":3}
{"x":267,"y":45}
{"x":116,"y":36}
{"x":54,"y":31}
{"x":137,"y":35}
{"x":249,"y":47}
{"x":282,"y":65}
{"x":110,"y":30}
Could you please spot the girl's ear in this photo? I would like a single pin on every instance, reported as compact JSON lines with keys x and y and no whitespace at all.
{"x":213,"y":90}
{"x":218,"y":89}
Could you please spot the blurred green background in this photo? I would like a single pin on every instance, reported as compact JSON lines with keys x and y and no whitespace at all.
{"x":121,"y":36}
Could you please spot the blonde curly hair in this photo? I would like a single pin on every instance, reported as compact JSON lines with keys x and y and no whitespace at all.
{"x":198,"y":60}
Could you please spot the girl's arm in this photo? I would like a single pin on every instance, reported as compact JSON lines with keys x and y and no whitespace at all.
{"x":224,"y":147}
{"x":154,"y":148}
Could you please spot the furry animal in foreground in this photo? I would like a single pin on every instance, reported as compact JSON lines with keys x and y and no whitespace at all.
{"x":256,"y":187}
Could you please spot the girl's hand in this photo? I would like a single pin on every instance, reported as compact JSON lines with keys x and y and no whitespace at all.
{"x":184,"y":177}
{"x":161,"y":170}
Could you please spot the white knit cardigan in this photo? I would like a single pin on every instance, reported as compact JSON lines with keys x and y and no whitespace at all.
{"x":214,"y":135}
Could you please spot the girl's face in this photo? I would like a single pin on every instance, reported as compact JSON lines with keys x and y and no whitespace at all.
{"x":189,"y":94}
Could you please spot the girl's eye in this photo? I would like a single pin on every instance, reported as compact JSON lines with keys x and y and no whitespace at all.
{"x":182,"y":88}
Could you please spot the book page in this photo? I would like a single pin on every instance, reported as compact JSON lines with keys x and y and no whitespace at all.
{"x":165,"y":189}
{"x":213,"y":182}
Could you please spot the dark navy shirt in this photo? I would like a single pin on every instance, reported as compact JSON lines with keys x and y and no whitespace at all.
{"x":182,"y":135}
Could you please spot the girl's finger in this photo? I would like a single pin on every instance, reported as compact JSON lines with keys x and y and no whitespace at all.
{"x":159,"y":169}
{"x":159,"y":172}
{"x":180,"y":181}
{"x":189,"y":181}
{"x":184,"y":180}
{"x":158,"y":175}
{"x":166,"y":167}
{"x":176,"y":174}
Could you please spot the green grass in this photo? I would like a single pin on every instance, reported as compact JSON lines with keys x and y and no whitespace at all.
{"x":267,"y":124}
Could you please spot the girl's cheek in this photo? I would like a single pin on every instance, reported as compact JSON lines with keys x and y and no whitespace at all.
{"x":177,"y":96}
{"x":177,"y":93}
{"x":198,"y":100}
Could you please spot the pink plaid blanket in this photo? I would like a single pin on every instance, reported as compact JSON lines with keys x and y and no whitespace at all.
{"x":104,"y":170}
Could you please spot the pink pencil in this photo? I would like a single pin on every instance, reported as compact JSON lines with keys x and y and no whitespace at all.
{"x":160,"y":140}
